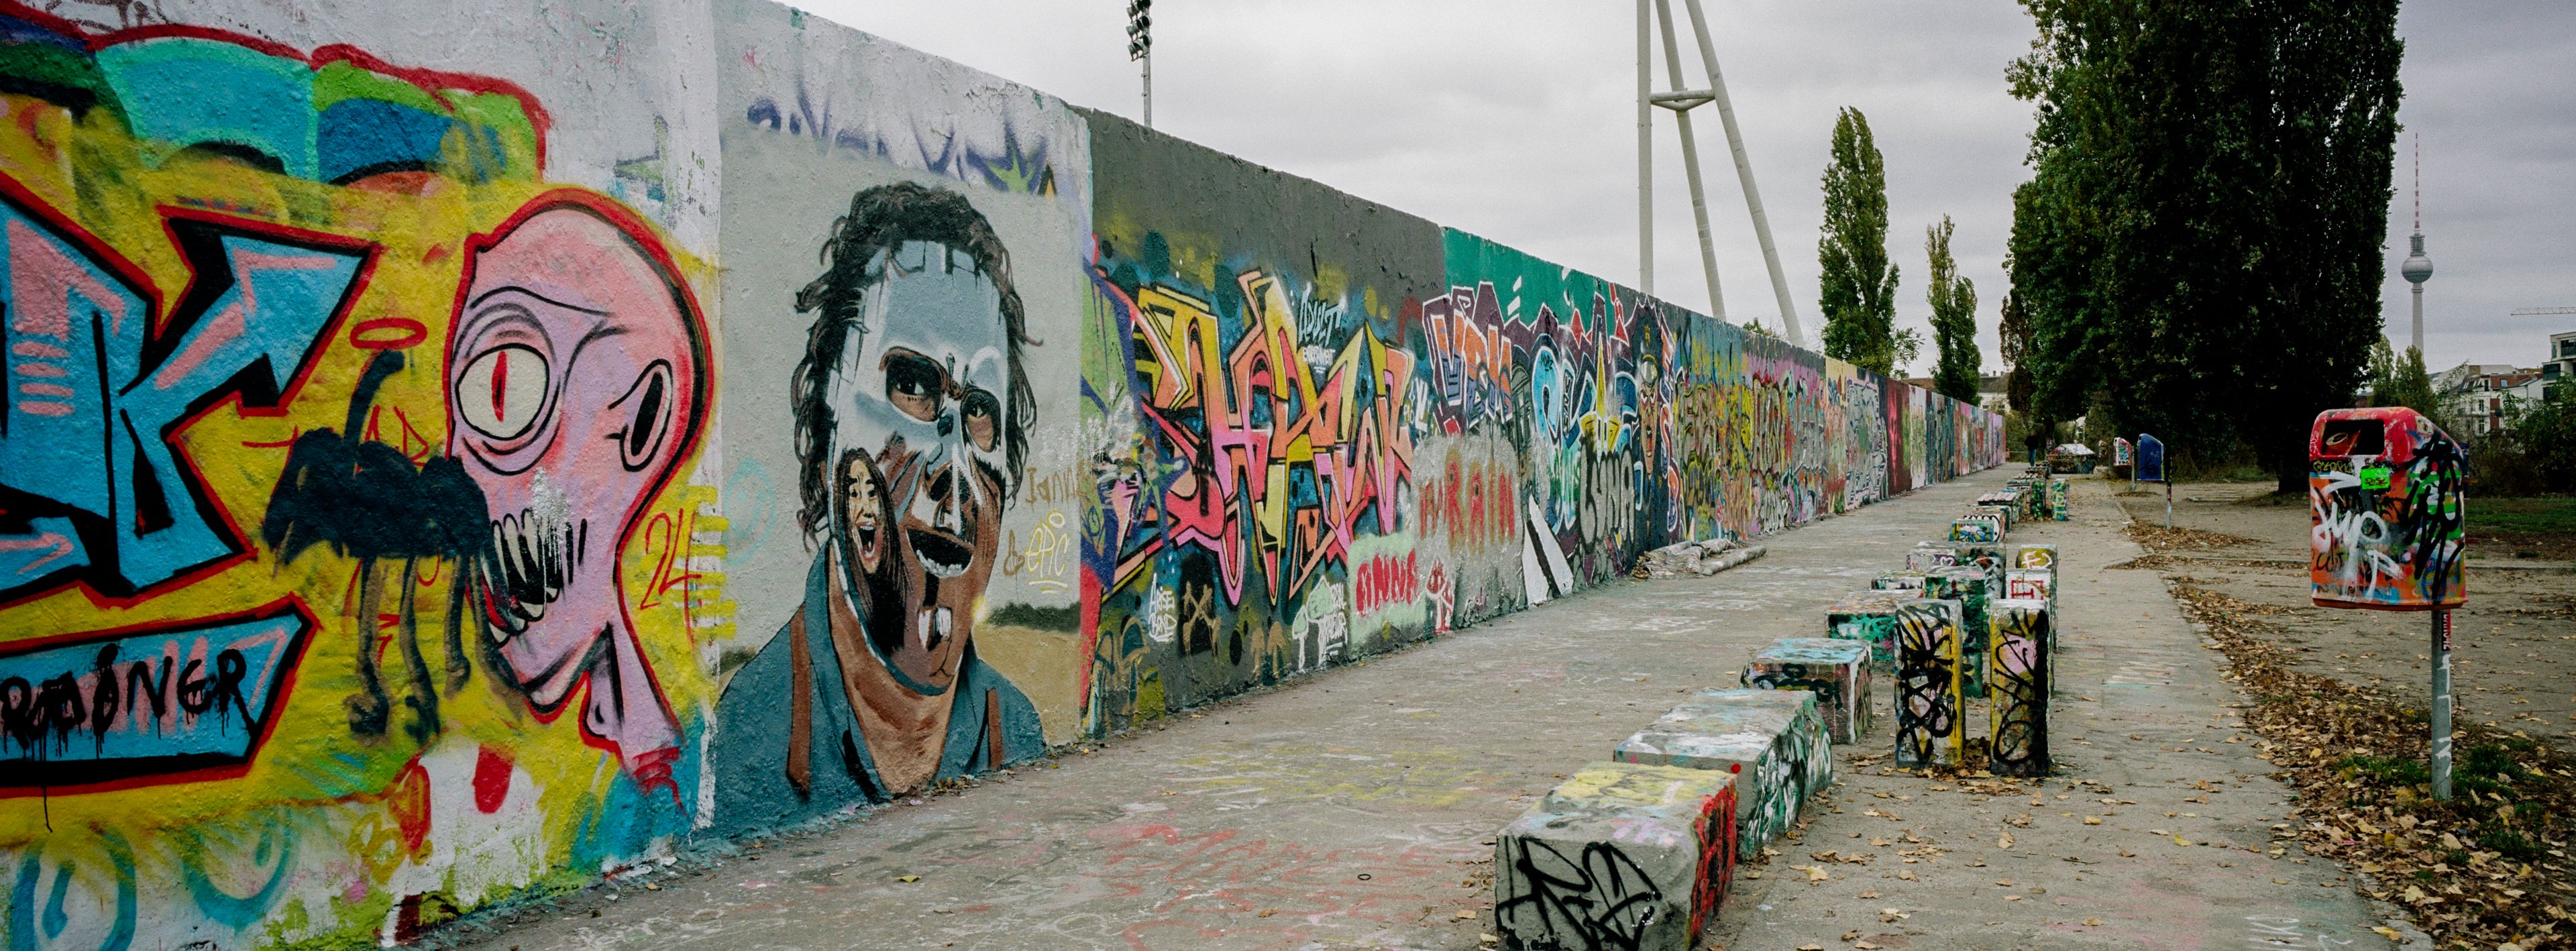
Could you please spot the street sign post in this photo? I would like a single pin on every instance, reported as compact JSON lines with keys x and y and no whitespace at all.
{"x":2387,"y":497}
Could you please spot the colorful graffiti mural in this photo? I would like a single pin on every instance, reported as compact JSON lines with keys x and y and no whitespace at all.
{"x":344,"y":454}
{"x":378,"y":481}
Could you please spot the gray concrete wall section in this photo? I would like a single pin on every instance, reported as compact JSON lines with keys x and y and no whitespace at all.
{"x":1153,"y":181}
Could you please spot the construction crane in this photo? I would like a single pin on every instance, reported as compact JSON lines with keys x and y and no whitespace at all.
{"x":2543,"y":311}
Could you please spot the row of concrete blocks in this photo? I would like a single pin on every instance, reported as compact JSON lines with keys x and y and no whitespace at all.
{"x":2038,"y":495}
{"x":1965,"y":622}
{"x":1637,"y":851}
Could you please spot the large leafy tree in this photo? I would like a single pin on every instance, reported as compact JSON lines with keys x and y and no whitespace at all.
{"x":1857,"y":290}
{"x":2198,"y":251}
{"x":1954,"y":317}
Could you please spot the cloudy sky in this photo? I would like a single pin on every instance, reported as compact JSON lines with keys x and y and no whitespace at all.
{"x":1515,"y":120}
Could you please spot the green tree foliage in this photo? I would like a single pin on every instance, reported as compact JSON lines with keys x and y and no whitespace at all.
{"x":1954,"y":317}
{"x":2202,"y":234}
{"x":1858,"y":288}
{"x":2012,"y":331}
{"x":2544,"y":433}
{"x":2395,"y":382}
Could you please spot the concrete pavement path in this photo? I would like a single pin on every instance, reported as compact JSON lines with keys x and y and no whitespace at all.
{"x":1355,"y":808}
{"x":2147,"y":743}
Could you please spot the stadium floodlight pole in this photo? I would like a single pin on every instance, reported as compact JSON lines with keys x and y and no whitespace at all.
{"x":1680,"y":101}
{"x":1645,"y":157}
{"x":1140,"y":47}
{"x":1744,"y":174}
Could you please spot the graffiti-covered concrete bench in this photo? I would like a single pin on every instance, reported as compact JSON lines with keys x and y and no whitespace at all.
{"x":1979,"y":527}
{"x":1619,"y":856}
{"x":2021,"y":665}
{"x":2008,"y":503}
{"x":1836,"y":671}
{"x":2033,"y":576}
{"x":1931,"y":727}
{"x":1869,"y":617}
{"x":1974,"y":588}
{"x":1942,"y":554}
{"x":2058,"y":490}
{"x":1907,"y":580}
{"x":1773,"y":741}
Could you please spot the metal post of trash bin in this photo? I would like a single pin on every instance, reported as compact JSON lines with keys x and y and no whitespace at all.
{"x":2441,"y":704}
{"x":2168,"y":506}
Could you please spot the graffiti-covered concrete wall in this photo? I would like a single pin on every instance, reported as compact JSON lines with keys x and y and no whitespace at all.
{"x":358,"y":383}
{"x":1245,"y":383}
{"x":448,"y":452}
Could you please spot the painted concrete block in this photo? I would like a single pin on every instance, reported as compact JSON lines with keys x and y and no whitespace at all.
{"x":2007,"y":503}
{"x":1931,"y":727}
{"x":2023,"y":659}
{"x":1836,"y":671}
{"x":1930,"y":555}
{"x":1619,"y":856}
{"x":1974,"y":589}
{"x":1868,"y":617}
{"x":2034,"y":556}
{"x":1975,"y":528}
{"x":1908,"y":580}
{"x":1773,"y":741}
{"x":2033,"y":496}
{"x":2058,"y":490}
{"x":1926,"y":556}
{"x":2040,"y":583}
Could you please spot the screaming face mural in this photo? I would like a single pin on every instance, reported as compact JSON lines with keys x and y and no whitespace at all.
{"x":912,"y":420}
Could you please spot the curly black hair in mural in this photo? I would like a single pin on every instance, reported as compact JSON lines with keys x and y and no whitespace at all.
{"x":881,"y":218}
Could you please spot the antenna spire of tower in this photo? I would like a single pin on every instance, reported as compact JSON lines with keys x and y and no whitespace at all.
{"x":2419,"y":181}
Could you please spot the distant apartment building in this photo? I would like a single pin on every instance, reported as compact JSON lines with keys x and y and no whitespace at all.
{"x":2561,"y":364}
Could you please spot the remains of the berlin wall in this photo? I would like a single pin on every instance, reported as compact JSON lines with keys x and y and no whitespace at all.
{"x":455,"y":449}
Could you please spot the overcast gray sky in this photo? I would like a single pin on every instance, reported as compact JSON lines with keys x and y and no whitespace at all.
{"x":1515,"y":120}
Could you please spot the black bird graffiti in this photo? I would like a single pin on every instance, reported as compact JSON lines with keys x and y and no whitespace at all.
{"x":365,"y":500}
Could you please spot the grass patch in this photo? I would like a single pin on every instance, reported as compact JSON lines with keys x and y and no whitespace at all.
{"x":2386,"y":770}
{"x":2543,"y":515}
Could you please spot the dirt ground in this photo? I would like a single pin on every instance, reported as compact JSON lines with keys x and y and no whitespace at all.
{"x":2511,"y":662}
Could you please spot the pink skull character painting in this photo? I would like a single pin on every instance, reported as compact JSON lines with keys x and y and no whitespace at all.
{"x":575,"y":381}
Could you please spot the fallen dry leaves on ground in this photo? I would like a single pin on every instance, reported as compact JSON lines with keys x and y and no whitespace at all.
{"x":2158,"y":538}
{"x":2486,"y":870}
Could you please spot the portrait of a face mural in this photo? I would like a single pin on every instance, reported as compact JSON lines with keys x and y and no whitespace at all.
{"x":911,"y":432}
{"x":574,"y":388}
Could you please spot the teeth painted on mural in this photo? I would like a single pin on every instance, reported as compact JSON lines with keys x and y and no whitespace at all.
{"x":940,"y":554}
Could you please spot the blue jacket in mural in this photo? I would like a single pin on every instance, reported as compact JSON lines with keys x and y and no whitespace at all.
{"x":764,"y":776}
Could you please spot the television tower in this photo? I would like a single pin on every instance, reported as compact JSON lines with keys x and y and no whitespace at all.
{"x":2418,"y":267}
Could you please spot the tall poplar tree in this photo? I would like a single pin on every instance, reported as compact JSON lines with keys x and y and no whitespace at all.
{"x":1954,"y":317}
{"x":2200,"y":247}
{"x":1857,"y":290}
